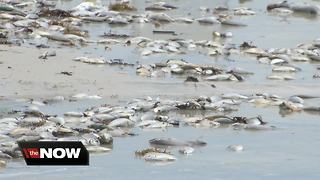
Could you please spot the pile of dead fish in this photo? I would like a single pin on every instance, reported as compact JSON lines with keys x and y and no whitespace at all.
{"x":102,"y":61}
{"x":181,"y":67}
{"x":160,"y":149}
{"x":97,"y":127}
{"x":38,"y":21}
{"x":178,"y":46}
{"x":285,"y":61}
{"x":286,"y":7}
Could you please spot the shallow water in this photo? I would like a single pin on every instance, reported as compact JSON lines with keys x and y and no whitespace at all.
{"x":289,"y":152}
{"x":266,"y":30}
{"x":267,"y":154}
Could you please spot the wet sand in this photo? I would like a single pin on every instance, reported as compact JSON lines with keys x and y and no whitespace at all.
{"x":290,"y":152}
{"x":30,"y":77}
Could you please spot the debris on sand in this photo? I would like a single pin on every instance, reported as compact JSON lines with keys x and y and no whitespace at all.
{"x":68,"y":73}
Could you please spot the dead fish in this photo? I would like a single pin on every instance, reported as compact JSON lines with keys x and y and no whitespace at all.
{"x":146,"y":123}
{"x":54,"y":37}
{"x":239,"y":71}
{"x":232,"y":23}
{"x":184,"y":20}
{"x":47,"y":54}
{"x":196,"y":143}
{"x":75,"y":38}
{"x":20,"y":131}
{"x":283,"y":4}
{"x":243,"y":11}
{"x":91,"y":139}
{"x":308,"y":9}
{"x":90,"y":60}
{"x":166,"y":142}
{"x":121,"y":122}
{"x":34,"y":111}
{"x":299,"y":58}
{"x":73,"y":114}
{"x":236,"y":147}
{"x":26,"y":23}
{"x":278,"y":61}
{"x":97,"y":149}
{"x":253,"y":127}
{"x":119,"y":20}
{"x":284,"y":69}
{"x":314,"y":57}
{"x":160,"y":6}
{"x":85,"y":96}
{"x":176,"y":70}
{"x":287,"y":105}
{"x":44,"y":3}
{"x":32,"y":121}
{"x":108,"y":41}
{"x":164,"y":108}
{"x":193,"y":120}
{"x":57,"y":120}
{"x":156,"y":156}
{"x":222,"y":77}
{"x":117,"y":132}
{"x":105,"y":138}
{"x":282,"y":11}
{"x":64,"y":131}
{"x":234,"y":96}
{"x":11,"y":17}
{"x":255,"y":51}
{"x":296,"y":99}
{"x":280,"y":77}
{"x":28,"y":138}
{"x":208,"y":20}
{"x":104,"y":117}
{"x":9,"y":8}
{"x":161,"y":17}
{"x":207,"y":124}
{"x":143,"y":152}
{"x":158,"y":125}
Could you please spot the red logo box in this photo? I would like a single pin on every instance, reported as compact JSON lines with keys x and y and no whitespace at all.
{"x":31,"y":152}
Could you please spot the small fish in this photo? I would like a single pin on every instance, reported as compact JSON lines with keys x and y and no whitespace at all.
{"x":166,"y":142}
{"x":156,"y":156}
{"x":97,"y":149}
{"x":236,"y":147}
{"x":284,"y":69}
{"x":121,"y":122}
{"x":208,"y":20}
